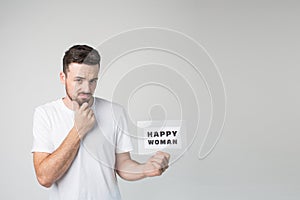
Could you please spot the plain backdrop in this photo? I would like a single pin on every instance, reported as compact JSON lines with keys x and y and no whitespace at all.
{"x":255,"y":45}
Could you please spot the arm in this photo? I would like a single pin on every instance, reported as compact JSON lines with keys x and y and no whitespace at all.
{"x":51,"y":167}
{"x":131,"y":170}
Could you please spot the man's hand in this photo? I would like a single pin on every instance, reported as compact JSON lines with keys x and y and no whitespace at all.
{"x":84,"y":119}
{"x":157,"y":164}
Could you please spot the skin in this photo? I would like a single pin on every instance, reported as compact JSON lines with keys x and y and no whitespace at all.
{"x":80,"y":84}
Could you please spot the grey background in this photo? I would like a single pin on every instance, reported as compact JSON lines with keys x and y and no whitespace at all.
{"x":256,"y":46}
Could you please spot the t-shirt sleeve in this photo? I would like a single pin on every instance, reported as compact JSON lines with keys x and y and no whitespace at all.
{"x":42,"y":141}
{"x":124,"y":143}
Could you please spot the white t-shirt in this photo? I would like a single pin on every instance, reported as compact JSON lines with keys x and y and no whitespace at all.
{"x":92,"y":175}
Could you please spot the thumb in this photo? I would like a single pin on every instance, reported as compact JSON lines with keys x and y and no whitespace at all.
{"x":75,"y":105}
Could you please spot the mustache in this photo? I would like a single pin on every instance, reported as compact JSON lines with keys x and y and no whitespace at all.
{"x":85,"y":93}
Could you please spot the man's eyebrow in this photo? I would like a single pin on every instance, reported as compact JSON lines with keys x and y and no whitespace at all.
{"x":79,"y":77}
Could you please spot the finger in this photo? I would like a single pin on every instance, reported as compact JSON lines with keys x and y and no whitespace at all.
{"x":156,"y":165}
{"x":84,"y":106}
{"x":165,"y":159}
{"x":160,"y":161}
{"x":153,"y":169}
{"x":159,"y":170}
{"x":91,"y":113}
{"x":166,"y":155}
{"x":162,"y":153}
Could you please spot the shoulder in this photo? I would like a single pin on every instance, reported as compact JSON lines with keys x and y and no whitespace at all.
{"x":109,"y":106}
{"x":48,"y":107}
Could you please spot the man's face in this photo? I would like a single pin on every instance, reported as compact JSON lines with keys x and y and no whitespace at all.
{"x":81,"y":82}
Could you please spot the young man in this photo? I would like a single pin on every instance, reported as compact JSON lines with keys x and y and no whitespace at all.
{"x":60,"y":128}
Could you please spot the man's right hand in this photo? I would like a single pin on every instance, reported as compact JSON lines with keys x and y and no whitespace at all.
{"x":84,"y":119}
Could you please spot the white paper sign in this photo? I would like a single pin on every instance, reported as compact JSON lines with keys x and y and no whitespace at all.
{"x":159,"y":138}
{"x":160,"y":135}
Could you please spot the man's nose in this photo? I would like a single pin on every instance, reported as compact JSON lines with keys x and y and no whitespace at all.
{"x":86,"y":87}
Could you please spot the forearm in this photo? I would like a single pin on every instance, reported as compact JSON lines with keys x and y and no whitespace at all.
{"x":131,"y":170}
{"x":55,"y":165}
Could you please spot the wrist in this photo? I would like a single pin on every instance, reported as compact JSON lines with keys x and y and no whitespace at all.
{"x":78,"y":132}
{"x":147,"y":169}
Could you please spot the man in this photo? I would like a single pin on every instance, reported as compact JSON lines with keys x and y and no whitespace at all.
{"x":62,"y":128}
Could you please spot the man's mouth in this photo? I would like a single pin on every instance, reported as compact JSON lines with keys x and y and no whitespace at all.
{"x":84,"y":95}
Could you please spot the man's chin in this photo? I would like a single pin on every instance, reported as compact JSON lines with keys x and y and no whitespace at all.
{"x":82,"y":101}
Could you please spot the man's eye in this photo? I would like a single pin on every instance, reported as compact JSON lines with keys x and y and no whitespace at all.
{"x":78,"y":80}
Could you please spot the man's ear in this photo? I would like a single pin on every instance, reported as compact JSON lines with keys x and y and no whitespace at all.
{"x":62,"y":77}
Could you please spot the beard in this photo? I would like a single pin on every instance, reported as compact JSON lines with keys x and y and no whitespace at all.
{"x":75,"y":97}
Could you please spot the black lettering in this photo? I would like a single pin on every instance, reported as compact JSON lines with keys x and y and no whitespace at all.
{"x":150,"y":142}
{"x":174,"y":133}
{"x":162,"y":133}
{"x":162,"y":141}
{"x":149,"y":134}
{"x":156,"y":134}
{"x":168,"y":133}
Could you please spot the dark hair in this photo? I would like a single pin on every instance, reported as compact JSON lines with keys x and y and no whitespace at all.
{"x":80,"y":54}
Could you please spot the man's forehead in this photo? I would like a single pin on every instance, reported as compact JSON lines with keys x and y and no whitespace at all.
{"x":83,"y":70}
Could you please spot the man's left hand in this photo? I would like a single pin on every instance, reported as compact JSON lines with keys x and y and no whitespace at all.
{"x":157,"y":164}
